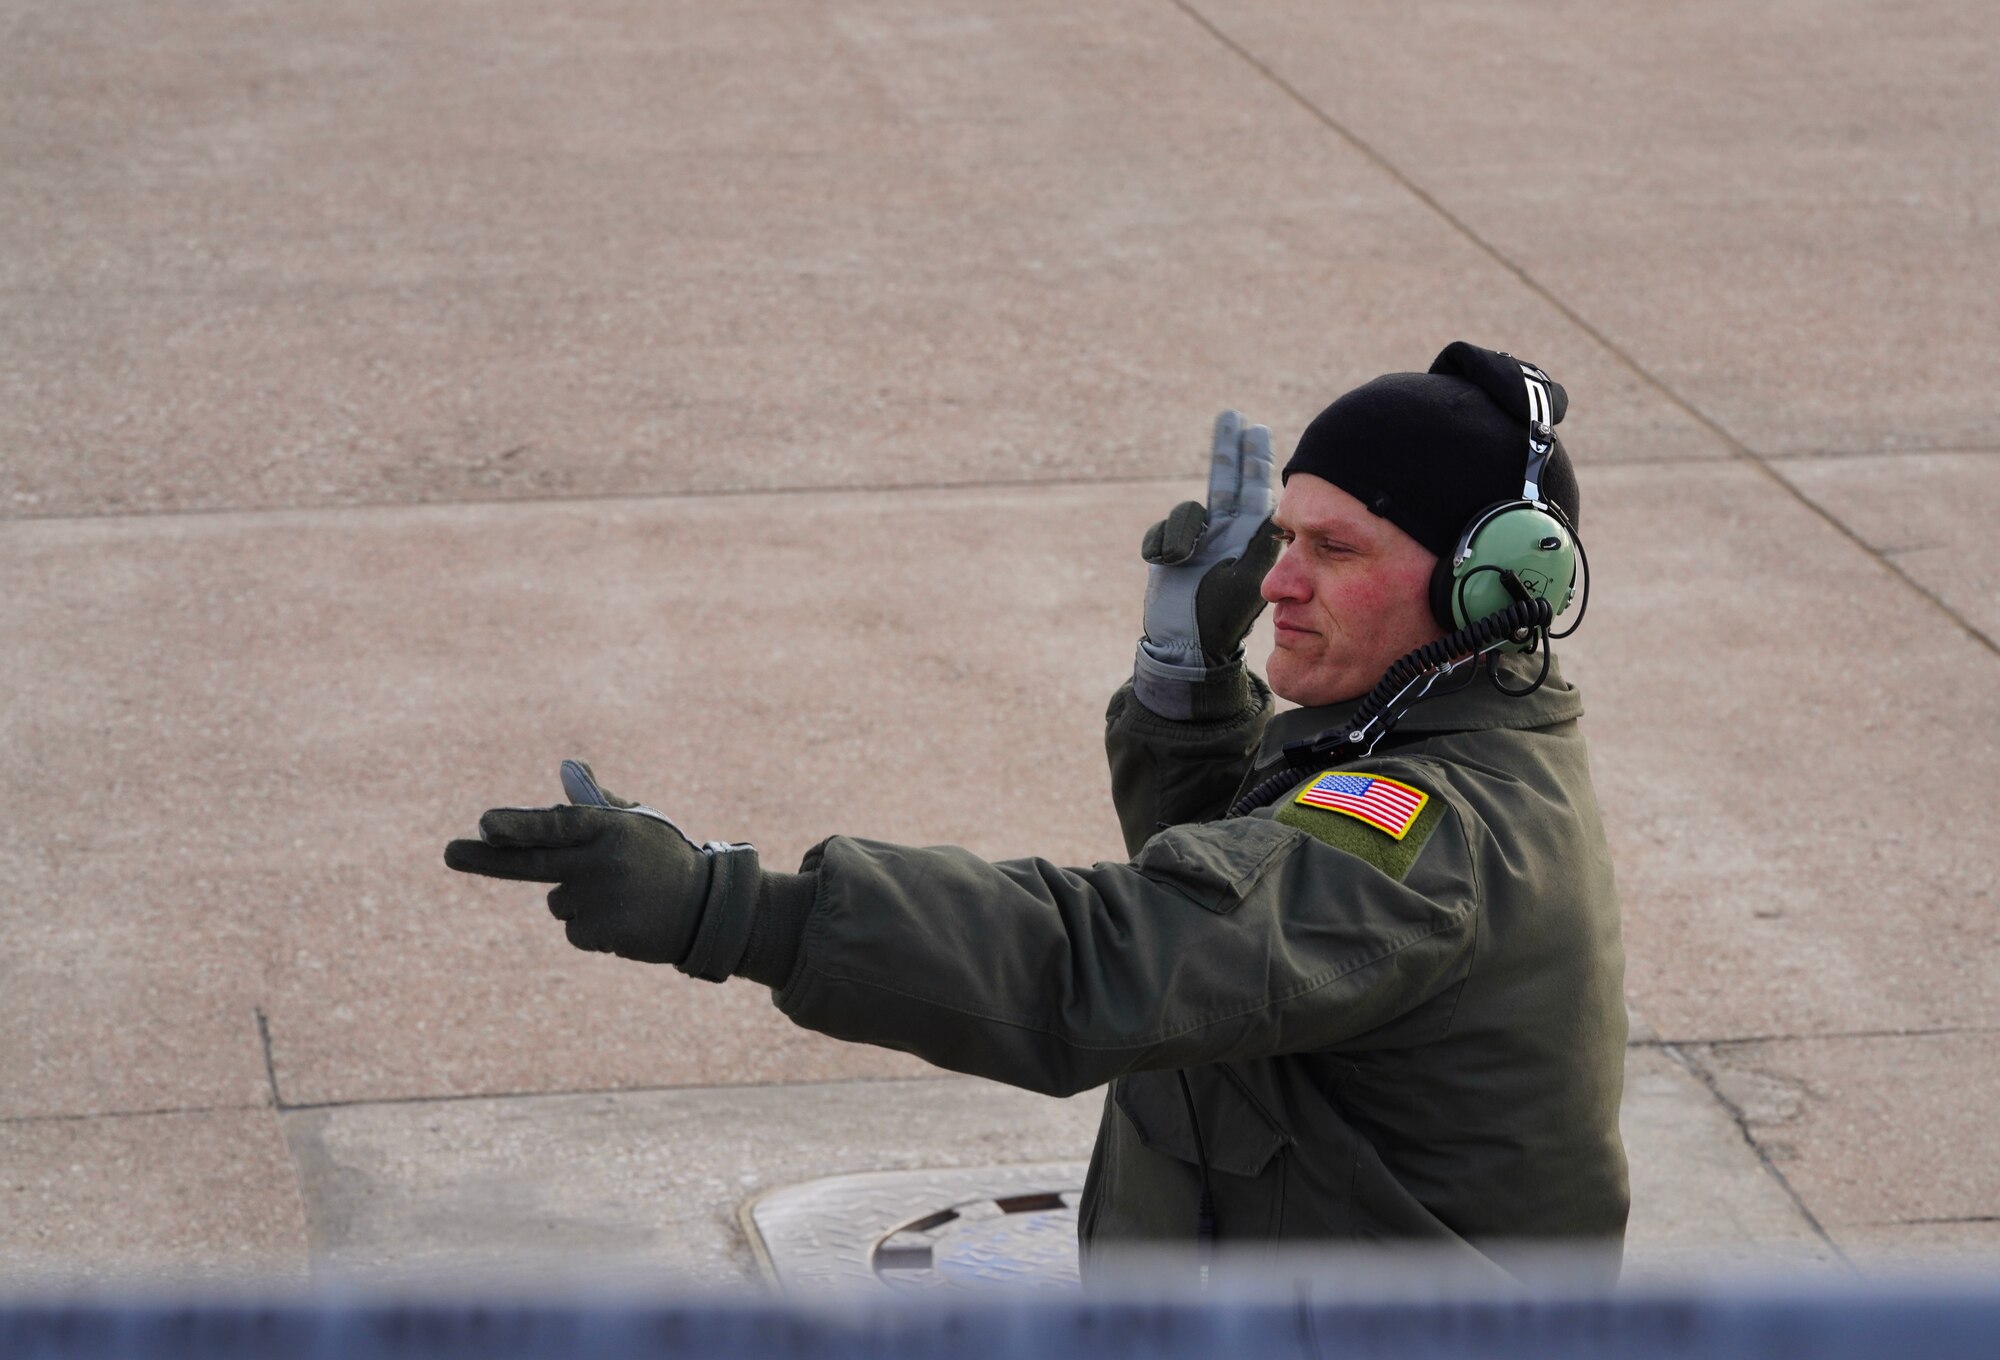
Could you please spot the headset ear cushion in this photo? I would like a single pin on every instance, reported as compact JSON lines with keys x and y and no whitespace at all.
{"x":1442,"y":582}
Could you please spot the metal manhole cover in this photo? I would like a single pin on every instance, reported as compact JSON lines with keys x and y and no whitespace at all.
{"x":1008,"y":1239}
{"x":922,"y":1230}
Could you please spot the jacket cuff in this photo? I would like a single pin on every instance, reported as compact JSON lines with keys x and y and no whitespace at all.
{"x":728,"y":911}
{"x":1190,"y":693}
{"x":784,"y":901}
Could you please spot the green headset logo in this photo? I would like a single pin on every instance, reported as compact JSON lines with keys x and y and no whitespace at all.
{"x":1536,"y":583}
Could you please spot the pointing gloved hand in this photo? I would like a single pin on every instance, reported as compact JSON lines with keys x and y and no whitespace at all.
{"x":628,"y":882}
{"x":1205,"y":565}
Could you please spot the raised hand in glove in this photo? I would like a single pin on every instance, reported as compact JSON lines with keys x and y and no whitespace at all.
{"x":1205,"y":565}
{"x":628,"y":882}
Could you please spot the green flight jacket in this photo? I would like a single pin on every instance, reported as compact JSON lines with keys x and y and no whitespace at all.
{"x":1386,"y":1040}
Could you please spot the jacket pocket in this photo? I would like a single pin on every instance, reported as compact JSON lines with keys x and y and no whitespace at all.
{"x":1216,"y":864}
{"x":1239,"y":1140}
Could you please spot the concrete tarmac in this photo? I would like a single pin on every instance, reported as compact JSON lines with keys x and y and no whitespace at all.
{"x":765,"y":402}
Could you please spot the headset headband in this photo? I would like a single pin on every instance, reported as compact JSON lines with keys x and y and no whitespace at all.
{"x":1541,"y":430}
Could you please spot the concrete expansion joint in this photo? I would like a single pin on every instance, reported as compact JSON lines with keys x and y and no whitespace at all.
{"x":568,"y":1092}
{"x":1739,"y":1041}
{"x":1701,"y":1073}
{"x":301,"y":1198}
{"x":605,"y":498}
{"x":150,"y":1112}
{"x":1885,"y":451}
{"x":1881,"y":556}
{"x":1465,"y":229}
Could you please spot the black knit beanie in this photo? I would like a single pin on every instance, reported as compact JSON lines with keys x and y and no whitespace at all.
{"x":1428,"y":451}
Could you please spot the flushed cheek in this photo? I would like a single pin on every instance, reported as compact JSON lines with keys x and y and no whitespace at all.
{"x":1393,"y":605}
{"x":1370,"y":597}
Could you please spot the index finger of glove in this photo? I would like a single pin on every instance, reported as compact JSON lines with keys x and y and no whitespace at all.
{"x":540,"y":827}
{"x":1225,"y":465}
{"x":500,"y":861}
{"x":1172,"y":541}
{"x":580,"y":785}
{"x":1255,"y":498}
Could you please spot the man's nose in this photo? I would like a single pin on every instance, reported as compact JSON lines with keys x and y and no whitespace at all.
{"x":1284,"y":581}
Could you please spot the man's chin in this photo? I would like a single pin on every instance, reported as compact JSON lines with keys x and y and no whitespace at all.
{"x":1290,"y":678}
{"x":1296,"y":680}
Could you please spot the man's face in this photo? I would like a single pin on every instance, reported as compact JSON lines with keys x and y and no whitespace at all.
{"x":1349,"y":594}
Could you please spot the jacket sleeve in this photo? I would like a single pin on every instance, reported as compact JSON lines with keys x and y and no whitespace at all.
{"x":1229,"y":940}
{"x":1165,"y":772}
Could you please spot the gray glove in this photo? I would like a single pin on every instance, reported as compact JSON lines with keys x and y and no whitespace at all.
{"x":1205,"y":567}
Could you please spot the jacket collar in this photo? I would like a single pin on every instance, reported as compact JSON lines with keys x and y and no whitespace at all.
{"x":1474,"y":707}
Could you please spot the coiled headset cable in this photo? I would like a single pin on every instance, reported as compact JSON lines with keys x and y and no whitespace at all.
{"x":1410,"y":680}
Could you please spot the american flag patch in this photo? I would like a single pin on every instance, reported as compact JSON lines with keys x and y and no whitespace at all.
{"x":1377,"y":801}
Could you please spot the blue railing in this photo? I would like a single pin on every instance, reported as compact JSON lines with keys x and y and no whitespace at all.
{"x":1879,"y":1321}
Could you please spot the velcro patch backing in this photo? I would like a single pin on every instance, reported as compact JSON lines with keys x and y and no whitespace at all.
{"x":1358,"y":836}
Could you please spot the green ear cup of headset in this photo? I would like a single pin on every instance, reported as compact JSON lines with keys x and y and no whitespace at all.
{"x":1533,"y":543}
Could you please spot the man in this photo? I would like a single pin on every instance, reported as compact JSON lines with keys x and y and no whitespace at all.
{"x":1327,"y":1019}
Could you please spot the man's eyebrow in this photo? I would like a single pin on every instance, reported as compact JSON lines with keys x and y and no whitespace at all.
{"x":1324,"y":528}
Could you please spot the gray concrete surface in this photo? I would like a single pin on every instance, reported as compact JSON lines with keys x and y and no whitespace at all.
{"x":1753,"y":764}
{"x":1925,"y":513}
{"x":206,"y":1195}
{"x":1873,"y":1130}
{"x":392,"y":404}
{"x":1757,"y":206}
{"x":646,"y":248}
{"x":653,"y":1180}
{"x":1703,"y":1203}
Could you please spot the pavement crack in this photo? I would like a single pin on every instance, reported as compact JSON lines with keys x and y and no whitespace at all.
{"x":1735,"y":1112}
{"x":1686,"y":405}
{"x":270,"y":1064}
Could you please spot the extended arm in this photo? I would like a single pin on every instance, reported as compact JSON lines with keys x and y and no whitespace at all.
{"x":1232,"y":940}
{"x":1228,"y":940}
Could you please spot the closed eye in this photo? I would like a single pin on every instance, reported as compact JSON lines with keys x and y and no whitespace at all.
{"x":1319,"y":543}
